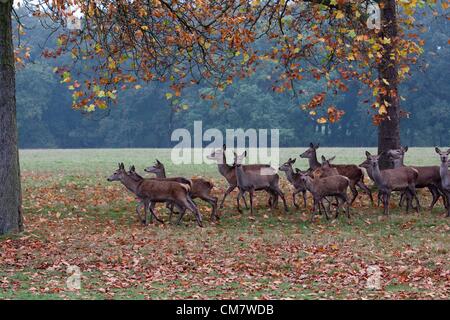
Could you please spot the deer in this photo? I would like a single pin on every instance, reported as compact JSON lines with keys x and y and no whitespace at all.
{"x":320,"y":188}
{"x":152,"y":191}
{"x":445,"y":176}
{"x":398,"y":179}
{"x":135,"y":176}
{"x":229,"y":173}
{"x":429,"y":176}
{"x":351,"y":171}
{"x":294,"y":179}
{"x":254,"y":180}
{"x":200,"y":188}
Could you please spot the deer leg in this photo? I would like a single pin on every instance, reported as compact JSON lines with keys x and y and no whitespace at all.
{"x":138,"y":211}
{"x":293,"y":199}
{"x":386,"y":197}
{"x":213,"y":202}
{"x":366,"y":190}
{"x":153,"y":214}
{"x":237,"y":201}
{"x":402,"y":199}
{"x":251,"y":201}
{"x":227,"y":192}
{"x":280,"y":194}
{"x":354,"y":191}
{"x":324,"y":209}
{"x":180,"y":218}
{"x":436,"y":195}
{"x":194,"y":209}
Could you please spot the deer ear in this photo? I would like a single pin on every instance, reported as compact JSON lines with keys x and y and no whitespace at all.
{"x":293,"y":160}
{"x":224,"y":147}
{"x":323,"y":159}
{"x":245,"y":153}
{"x":405,"y":149}
{"x":311,"y":145}
{"x":368,"y":154}
{"x":122,"y":166}
{"x":332,"y":158}
{"x":133,"y":168}
{"x":437,"y":150}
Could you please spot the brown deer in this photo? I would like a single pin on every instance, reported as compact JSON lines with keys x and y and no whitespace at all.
{"x":399,"y":179}
{"x":254,"y":180}
{"x":200,"y":188}
{"x":429,"y":176}
{"x":152,"y":191}
{"x":351,"y":171}
{"x":294,"y":179}
{"x":229,"y":173}
{"x":320,"y":188}
{"x":445,"y":176}
{"x":169,"y":205}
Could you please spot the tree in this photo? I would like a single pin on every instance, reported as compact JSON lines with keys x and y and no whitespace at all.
{"x":10,"y":188}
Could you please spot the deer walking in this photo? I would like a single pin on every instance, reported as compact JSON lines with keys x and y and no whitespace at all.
{"x":251,"y":181}
{"x":229,"y":173}
{"x":200,"y":188}
{"x":321,"y":188}
{"x":152,"y":191}
{"x":429,"y":176}
{"x":351,"y":171}
{"x":295,"y":180}
{"x":399,"y":179}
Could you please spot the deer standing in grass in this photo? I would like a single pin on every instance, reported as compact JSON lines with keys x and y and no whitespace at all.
{"x":295,"y":180}
{"x":250,"y":181}
{"x":229,"y":173}
{"x":200,"y":188}
{"x":320,"y":188}
{"x":398,"y":179}
{"x":152,"y":191}
{"x":445,"y":176}
{"x":351,"y":171}
{"x":429,"y":176}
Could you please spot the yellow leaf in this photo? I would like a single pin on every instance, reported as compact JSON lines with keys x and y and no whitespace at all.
{"x":382,"y":110}
{"x":339,"y":14}
{"x":322,"y":120}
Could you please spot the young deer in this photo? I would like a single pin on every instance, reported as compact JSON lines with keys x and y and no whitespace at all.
{"x":200,"y":188}
{"x":169,"y":205}
{"x":295,"y":180}
{"x":350,"y":171}
{"x":399,"y":179}
{"x":254,"y":180}
{"x":445,"y":176}
{"x":320,"y":188}
{"x":152,"y":191}
{"x":429,"y":176}
{"x":229,"y":173}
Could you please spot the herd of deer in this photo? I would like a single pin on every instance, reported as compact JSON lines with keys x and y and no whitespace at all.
{"x":323,"y":180}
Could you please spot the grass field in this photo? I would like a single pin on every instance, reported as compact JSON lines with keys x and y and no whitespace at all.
{"x":73,"y":216}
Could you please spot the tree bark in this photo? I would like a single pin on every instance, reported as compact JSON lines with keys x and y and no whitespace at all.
{"x":10,"y":188}
{"x":389,"y":129}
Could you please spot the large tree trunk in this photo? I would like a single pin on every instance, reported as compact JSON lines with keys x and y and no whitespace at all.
{"x":10,"y":189}
{"x":389,"y":129}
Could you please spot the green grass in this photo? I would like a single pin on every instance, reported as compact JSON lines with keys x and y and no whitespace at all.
{"x":74,"y":216}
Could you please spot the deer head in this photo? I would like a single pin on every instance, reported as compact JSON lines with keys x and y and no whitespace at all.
{"x":133,"y":174}
{"x":443,"y":155}
{"x":373,"y":159}
{"x":310,"y":152}
{"x":287,"y":166}
{"x":119,"y":174}
{"x":326,"y":163}
{"x":158,"y":167}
